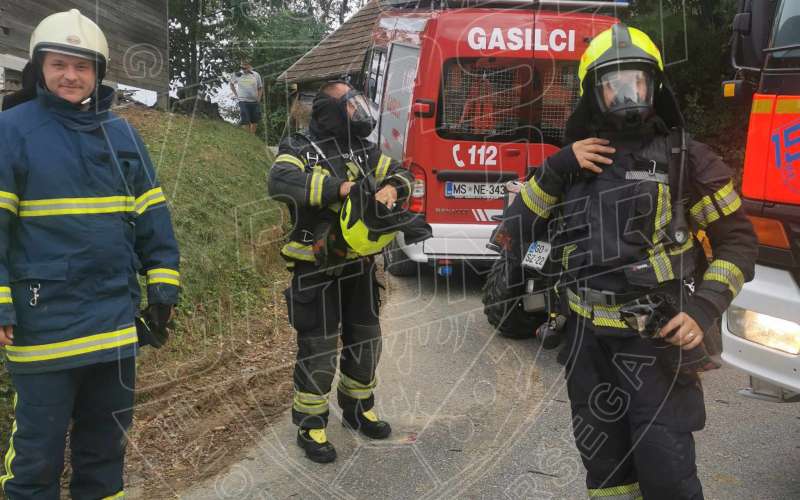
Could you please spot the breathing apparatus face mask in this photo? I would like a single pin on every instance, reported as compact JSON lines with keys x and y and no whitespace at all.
{"x":358,"y":113}
{"x":625,"y":96}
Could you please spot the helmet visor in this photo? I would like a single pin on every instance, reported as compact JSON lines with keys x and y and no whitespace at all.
{"x":358,"y":108}
{"x":622,"y":89}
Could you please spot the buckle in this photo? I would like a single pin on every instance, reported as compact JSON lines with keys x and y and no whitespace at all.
{"x":652,"y":170}
{"x":597,"y":297}
{"x":312,"y":157}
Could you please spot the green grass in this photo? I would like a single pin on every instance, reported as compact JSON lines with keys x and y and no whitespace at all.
{"x":214,"y":177}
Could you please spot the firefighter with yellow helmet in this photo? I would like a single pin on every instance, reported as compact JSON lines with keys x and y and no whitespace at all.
{"x":623,"y":201}
{"x":81,"y":214}
{"x":335,"y":181}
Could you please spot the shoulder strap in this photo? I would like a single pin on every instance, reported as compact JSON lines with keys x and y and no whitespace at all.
{"x":312,"y":158}
{"x":677,"y":162}
{"x":678,"y":182}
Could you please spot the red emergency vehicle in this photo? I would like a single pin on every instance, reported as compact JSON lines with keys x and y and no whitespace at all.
{"x":761,"y":329}
{"x":471,"y":98}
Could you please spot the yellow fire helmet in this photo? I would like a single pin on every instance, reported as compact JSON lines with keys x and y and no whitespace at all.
{"x":367,"y":226}
{"x":73,"y":34}
{"x":617,"y":46}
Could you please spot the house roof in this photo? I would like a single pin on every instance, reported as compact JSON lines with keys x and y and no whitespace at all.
{"x":341,"y":52}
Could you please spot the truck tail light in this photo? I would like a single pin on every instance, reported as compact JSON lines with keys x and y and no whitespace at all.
{"x":417,"y":199}
{"x":770,"y":232}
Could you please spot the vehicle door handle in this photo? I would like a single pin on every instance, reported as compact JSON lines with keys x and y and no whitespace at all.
{"x":512,"y":152}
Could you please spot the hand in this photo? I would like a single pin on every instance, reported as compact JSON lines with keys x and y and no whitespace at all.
{"x":344,"y":188}
{"x":589,"y":152}
{"x":7,"y":335}
{"x":387,"y":195}
{"x":686,"y":333}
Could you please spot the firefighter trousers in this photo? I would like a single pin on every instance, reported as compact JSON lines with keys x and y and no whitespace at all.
{"x":98,"y":400}
{"x":318,"y":301}
{"x":632,"y":416}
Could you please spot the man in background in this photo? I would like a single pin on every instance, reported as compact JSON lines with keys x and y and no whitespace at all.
{"x":247,"y":87}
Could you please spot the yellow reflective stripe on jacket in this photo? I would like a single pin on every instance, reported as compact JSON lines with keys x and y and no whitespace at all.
{"x":383,"y":167}
{"x":607,"y":316}
{"x":726,"y":273}
{"x":76,"y":206}
{"x":577,"y":306}
{"x":315,"y":188}
{"x":662,"y":266}
{"x":75,"y":347}
{"x":354,"y":388}
{"x":11,"y":453}
{"x":704,"y":212}
{"x":5,"y":295}
{"x":663,"y":213}
{"x":622,"y":492}
{"x":148,"y":199}
{"x":728,"y":199}
{"x":536,"y":199}
{"x":310,"y":404}
{"x":162,"y":275}
{"x":120,"y":494}
{"x":298,"y":251}
{"x":287,"y":158}
{"x":9,"y":201}
{"x":568,"y":249}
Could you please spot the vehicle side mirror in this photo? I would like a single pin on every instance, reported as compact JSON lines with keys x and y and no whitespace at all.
{"x":738,"y":91}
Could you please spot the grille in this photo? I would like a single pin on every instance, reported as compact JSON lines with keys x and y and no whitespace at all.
{"x":558,"y":100}
{"x":482,"y":100}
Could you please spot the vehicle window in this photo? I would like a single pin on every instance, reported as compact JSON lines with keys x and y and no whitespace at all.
{"x":375,"y":71}
{"x":787,"y":30}
{"x":505,"y":100}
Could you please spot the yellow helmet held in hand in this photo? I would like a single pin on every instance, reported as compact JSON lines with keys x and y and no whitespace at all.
{"x":73,"y":34}
{"x":357,"y":233}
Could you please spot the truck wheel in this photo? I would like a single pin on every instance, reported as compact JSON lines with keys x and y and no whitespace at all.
{"x":396,"y":262}
{"x":502,"y":304}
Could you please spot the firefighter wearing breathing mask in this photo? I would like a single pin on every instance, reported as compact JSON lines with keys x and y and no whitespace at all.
{"x":314,"y":174}
{"x":624,"y":201}
{"x":81,"y":214}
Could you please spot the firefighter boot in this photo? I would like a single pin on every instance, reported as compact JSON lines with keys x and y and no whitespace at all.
{"x":367,"y":423}
{"x":316,"y":445}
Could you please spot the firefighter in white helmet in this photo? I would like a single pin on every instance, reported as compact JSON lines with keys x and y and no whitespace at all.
{"x":81,"y":213}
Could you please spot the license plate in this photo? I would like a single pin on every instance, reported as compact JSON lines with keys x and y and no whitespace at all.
{"x":475,"y":190}
{"x":537,"y":255}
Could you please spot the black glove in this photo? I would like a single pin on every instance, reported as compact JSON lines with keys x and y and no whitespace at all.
{"x":152,"y":326}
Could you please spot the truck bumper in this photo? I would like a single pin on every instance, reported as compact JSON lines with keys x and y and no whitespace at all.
{"x":773,"y":293}
{"x":456,"y":242}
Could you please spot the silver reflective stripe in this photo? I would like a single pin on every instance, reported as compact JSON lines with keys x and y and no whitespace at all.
{"x":7,"y":200}
{"x":144,"y":202}
{"x":130,"y":335}
{"x":644,"y":175}
{"x":75,"y":206}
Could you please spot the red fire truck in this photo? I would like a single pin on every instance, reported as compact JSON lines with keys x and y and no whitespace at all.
{"x":761,"y":330}
{"x":470,"y":98}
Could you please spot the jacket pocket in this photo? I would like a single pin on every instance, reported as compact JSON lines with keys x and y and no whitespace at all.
{"x":130,"y":163}
{"x":304,"y":308}
{"x":41,"y":295}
